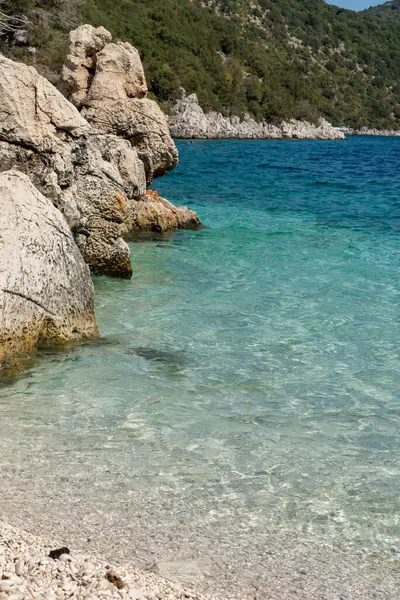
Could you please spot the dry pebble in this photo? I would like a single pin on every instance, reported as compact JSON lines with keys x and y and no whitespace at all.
{"x":27,"y":573}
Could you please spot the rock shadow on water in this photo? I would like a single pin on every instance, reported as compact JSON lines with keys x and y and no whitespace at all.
{"x":22,"y":366}
{"x":11,"y":370}
{"x":172,"y":361}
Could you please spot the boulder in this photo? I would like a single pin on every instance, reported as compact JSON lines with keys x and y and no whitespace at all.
{"x":46,"y":293}
{"x":118,"y":75}
{"x":32,"y":112}
{"x":106,"y":82}
{"x":143,"y":123}
{"x":80,"y":64}
{"x":153,"y":213}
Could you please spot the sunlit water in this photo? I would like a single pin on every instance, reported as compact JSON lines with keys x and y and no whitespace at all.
{"x":251,"y":367}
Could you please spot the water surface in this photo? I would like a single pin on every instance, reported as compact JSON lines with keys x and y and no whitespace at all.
{"x":248,"y":379}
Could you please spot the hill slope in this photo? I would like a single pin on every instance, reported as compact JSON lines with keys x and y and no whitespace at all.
{"x":388,"y":10}
{"x":274,"y":58}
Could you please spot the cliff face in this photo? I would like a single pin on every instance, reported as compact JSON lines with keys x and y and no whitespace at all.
{"x":188,"y":120}
{"x":94,"y":165}
{"x":72,"y":184}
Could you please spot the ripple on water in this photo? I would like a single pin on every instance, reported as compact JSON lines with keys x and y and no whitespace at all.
{"x":248,"y":377}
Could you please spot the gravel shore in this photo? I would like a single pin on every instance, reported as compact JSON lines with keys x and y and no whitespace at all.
{"x":28,"y":572}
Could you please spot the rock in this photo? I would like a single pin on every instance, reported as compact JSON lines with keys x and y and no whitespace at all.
{"x":188,"y":120}
{"x":19,"y":567}
{"x":58,"y":553}
{"x":142,"y":122}
{"x":119,"y":75}
{"x":33,"y":113}
{"x":371,"y":132}
{"x":46,"y":294}
{"x":153,"y":213}
{"x":21,"y":37}
{"x":136,"y":594}
{"x":115,"y":579}
{"x":90,"y":178}
{"x":106,"y":82}
{"x":80,"y":64}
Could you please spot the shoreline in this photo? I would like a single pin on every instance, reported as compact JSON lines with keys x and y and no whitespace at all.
{"x":293,"y":568}
{"x":290,"y":139}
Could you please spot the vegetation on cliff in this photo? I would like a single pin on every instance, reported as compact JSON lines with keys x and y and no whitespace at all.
{"x":276,"y":59}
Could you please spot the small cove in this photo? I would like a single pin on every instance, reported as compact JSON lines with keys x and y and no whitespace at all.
{"x":245,"y":399}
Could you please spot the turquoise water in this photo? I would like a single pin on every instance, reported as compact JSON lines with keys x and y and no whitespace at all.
{"x":249,"y":370}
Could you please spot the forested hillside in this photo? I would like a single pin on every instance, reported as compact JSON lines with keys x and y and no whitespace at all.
{"x":387,"y":10}
{"x":273,"y":58}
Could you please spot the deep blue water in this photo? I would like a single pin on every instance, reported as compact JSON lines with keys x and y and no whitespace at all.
{"x":251,"y":367}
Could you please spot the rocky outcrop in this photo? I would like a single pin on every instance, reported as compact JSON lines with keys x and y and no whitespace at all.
{"x":46,"y":294}
{"x":95,"y":177}
{"x":189,"y":121}
{"x":156,"y":214}
{"x":371,"y":132}
{"x":106,"y":82}
{"x":91,"y":179}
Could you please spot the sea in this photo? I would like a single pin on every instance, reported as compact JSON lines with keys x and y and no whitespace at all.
{"x":243,"y":404}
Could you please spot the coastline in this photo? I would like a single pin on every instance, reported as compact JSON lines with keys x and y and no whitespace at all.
{"x":371,"y":132}
{"x":189,"y":121}
{"x":293,"y":567}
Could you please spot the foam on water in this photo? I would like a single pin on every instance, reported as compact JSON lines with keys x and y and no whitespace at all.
{"x":249,"y":371}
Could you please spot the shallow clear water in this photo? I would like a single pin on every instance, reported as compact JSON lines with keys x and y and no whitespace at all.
{"x":251,"y":368}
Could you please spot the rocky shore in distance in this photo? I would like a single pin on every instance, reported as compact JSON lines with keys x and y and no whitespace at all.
{"x":189,"y":121}
{"x":370,"y":132}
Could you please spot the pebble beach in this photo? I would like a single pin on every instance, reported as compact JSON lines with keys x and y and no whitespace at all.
{"x":29,"y":572}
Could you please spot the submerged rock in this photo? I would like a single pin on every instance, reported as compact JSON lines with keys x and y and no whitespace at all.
{"x":188,"y":120}
{"x":46,"y":294}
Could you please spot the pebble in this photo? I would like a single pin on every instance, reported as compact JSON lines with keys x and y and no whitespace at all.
{"x":31,"y":575}
{"x":65,"y":558}
{"x":19,"y":566}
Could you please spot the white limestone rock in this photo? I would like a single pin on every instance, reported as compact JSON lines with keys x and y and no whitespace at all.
{"x":188,"y":120}
{"x":106,"y":81}
{"x":46,"y":294}
{"x":90,"y":178}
